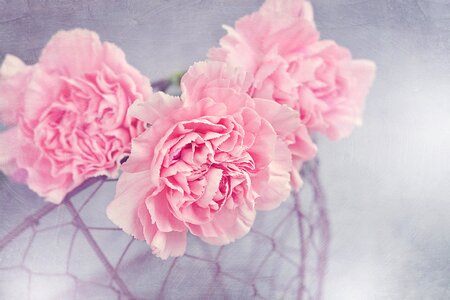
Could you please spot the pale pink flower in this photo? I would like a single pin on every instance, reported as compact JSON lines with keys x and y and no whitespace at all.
{"x":67,"y":113}
{"x":14,"y":76}
{"x":280,"y":46}
{"x":206,"y":163}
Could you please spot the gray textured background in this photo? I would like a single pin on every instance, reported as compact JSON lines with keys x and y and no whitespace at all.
{"x":388,"y":184}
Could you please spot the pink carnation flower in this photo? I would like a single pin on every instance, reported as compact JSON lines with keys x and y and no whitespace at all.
{"x":280,"y":46}
{"x":199,"y":81}
{"x":206,"y":163}
{"x":67,"y":113}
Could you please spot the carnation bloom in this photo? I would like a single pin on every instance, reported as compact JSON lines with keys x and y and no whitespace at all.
{"x":280,"y":46}
{"x":206,"y":163}
{"x":66,"y":115}
{"x":199,"y":81}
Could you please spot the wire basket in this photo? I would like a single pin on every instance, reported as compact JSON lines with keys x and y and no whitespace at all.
{"x":72,"y":251}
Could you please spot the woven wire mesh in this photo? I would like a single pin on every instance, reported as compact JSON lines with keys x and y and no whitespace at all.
{"x":72,"y":251}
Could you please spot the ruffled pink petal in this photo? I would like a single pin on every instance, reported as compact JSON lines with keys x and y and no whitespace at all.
{"x":73,"y":53}
{"x":115,"y":58}
{"x":159,"y":209}
{"x":364,"y":73}
{"x":263,"y":147}
{"x":14,"y":76}
{"x":228,"y":225}
{"x":145,"y":156}
{"x":11,"y":66}
{"x":308,"y":12}
{"x":247,"y":59}
{"x":159,"y":106}
{"x":42,"y":90}
{"x":9,"y":148}
{"x":131,"y":192}
{"x":296,"y":179}
{"x":303,"y":148}
{"x":291,"y":40}
{"x":283,"y":119}
{"x":277,"y":187}
{"x":168,"y":244}
{"x":347,"y":114}
{"x":203,"y":76}
{"x":233,"y":101}
{"x":163,"y":244}
{"x":51,"y":188}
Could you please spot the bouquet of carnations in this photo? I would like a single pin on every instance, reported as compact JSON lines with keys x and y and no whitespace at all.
{"x":203,"y":162}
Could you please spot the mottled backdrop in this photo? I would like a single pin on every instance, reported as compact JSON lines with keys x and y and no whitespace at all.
{"x":388,"y":185}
